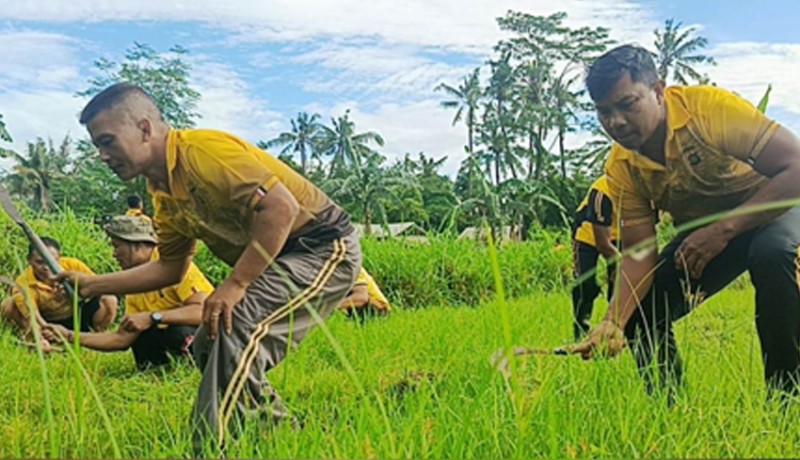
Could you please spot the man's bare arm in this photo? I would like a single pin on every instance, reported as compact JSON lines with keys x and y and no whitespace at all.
{"x":602,"y":240}
{"x":147,"y":277}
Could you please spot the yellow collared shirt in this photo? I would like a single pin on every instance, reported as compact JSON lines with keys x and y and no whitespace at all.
{"x":215,"y":181}
{"x":170,"y":297}
{"x":52,"y":303}
{"x":596,"y":209}
{"x":713,"y":136}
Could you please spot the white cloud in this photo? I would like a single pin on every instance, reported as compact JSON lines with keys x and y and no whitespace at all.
{"x":409,"y":127}
{"x":227,"y":104}
{"x":37,"y":59}
{"x":748,"y":68}
{"x":40,"y":113}
{"x":466,"y":25}
{"x":388,"y":71}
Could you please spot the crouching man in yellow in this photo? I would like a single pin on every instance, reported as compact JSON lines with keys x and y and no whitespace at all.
{"x":157,"y":324}
{"x":365,"y":299}
{"x":36,"y":291}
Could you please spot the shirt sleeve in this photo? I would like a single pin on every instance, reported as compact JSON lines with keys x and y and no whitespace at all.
{"x":193,"y":282}
{"x":76,"y":265}
{"x":633,"y":208}
{"x":172,"y":245}
{"x":19,"y":296}
{"x":599,"y":209}
{"x":734,"y":125}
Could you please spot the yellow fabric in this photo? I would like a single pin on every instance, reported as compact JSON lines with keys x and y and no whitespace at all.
{"x":215,"y":181}
{"x":134,"y":212}
{"x":45,"y":298}
{"x":376,"y":297}
{"x":170,"y":297}
{"x":585,"y":233}
{"x":712,"y":135}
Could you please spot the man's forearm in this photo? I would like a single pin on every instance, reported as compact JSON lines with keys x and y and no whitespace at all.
{"x":635,"y":279}
{"x":188,"y":315}
{"x":608,"y":250}
{"x":108,"y":341}
{"x":151,"y":276}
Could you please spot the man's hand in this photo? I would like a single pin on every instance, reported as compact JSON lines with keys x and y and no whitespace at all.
{"x":221,"y":303}
{"x":56,"y":333}
{"x":136,"y":323}
{"x":699,"y":248}
{"x":81,"y":279}
{"x":606,"y":339}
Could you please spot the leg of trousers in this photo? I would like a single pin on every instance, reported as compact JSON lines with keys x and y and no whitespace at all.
{"x":769,"y":253}
{"x":586,"y":288}
{"x":273,"y":316}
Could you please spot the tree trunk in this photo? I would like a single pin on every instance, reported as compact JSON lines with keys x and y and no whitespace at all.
{"x":561,"y":151}
{"x":367,"y":220}
{"x":303,"y":159}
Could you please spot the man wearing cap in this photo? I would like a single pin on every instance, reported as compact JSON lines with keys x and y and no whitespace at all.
{"x":157,"y":324}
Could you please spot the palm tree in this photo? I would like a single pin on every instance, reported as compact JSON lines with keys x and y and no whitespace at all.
{"x":302,"y":139}
{"x":344,"y":145}
{"x":4,"y":134}
{"x":370,"y":187}
{"x":465,"y":100}
{"x":34,"y":172}
{"x":677,"y":51}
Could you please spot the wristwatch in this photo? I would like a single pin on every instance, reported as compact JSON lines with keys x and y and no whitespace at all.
{"x":157,"y":317}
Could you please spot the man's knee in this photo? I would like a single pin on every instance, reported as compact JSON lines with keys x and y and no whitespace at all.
{"x":104,"y":316}
{"x":10,"y":314}
{"x":768,"y":259}
{"x":201,"y":346}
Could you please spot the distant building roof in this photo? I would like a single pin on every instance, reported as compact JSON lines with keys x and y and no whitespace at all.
{"x":507,"y":233}
{"x":396,"y":230}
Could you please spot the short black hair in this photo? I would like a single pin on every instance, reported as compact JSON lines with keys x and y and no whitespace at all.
{"x":607,"y":70}
{"x":49,"y":242}
{"x":110,"y":97}
{"x":134,"y":201}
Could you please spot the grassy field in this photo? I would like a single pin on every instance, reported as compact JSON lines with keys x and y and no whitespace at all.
{"x":421,"y":386}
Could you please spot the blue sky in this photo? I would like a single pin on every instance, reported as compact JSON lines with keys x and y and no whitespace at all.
{"x":257,"y":63}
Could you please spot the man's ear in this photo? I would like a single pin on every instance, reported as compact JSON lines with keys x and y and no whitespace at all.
{"x":659,"y":88}
{"x":146,"y":128}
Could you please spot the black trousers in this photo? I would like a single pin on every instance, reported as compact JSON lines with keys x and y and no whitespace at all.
{"x":86,"y":310}
{"x":154,"y":346}
{"x":770,"y":254}
{"x":586,"y":290}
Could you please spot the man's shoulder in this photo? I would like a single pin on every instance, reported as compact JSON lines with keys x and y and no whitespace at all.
{"x":699,"y":99}
{"x":72,"y":264}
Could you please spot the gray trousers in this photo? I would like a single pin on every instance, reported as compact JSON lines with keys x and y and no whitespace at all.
{"x":273,"y":315}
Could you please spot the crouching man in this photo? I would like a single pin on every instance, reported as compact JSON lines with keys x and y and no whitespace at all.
{"x":157,"y":324}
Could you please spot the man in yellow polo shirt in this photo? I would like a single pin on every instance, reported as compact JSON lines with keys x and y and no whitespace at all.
{"x":696,"y":152}
{"x":366,"y":299}
{"x":157,"y":324}
{"x":293,"y":252}
{"x":595,"y":233}
{"x":135,"y":207}
{"x":36,"y":292}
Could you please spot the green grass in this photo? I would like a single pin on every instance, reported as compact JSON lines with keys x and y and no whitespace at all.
{"x":428,"y":391}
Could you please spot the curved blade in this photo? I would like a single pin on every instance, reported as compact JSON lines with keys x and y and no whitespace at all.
{"x":8,"y":206}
